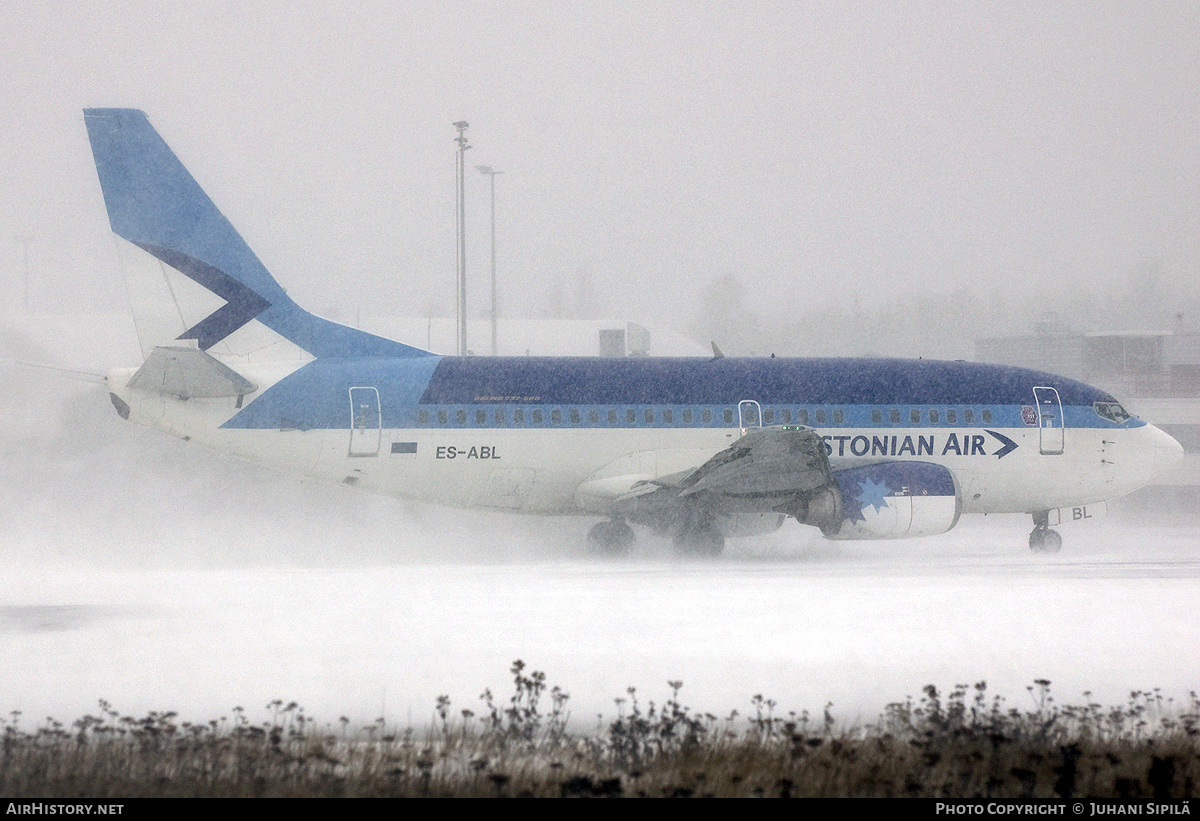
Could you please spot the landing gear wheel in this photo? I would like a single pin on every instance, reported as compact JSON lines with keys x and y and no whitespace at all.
{"x":700,"y":540}
{"x":613,"y":538}
{"x":1045,"y":540}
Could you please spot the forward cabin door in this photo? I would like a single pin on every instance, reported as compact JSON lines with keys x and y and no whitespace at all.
{"x":366,"y":422}
{"x":1050,"y":420}
{"x":749,"y":415}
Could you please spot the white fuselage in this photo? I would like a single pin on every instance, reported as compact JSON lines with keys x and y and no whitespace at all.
{"x":539,"y":470}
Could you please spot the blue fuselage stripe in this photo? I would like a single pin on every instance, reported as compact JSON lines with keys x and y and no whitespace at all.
{"x":599,"y":381}
{"x":663,"y":393}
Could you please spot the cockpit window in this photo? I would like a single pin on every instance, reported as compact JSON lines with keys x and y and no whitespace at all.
{"x":1112,"y":411}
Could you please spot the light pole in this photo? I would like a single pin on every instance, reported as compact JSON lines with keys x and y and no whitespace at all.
{"x":461,"y":139}
{"x":485,"y":169}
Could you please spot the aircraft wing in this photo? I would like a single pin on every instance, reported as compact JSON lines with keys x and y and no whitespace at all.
{"x":769,"y":470}
{"x":786,"y":471}
{"x":773,"y":464}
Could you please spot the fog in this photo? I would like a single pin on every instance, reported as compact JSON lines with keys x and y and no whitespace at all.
{"x":825,"y":156}
{"x":796,"y":178}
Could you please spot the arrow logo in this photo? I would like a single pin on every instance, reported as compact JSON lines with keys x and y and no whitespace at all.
{"x":1009,"y":445}
{"x":241,"y":303}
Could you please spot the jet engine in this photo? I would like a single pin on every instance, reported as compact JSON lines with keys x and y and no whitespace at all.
{"x":890,"y":500}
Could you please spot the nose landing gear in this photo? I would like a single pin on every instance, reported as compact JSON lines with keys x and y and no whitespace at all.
{"x":1043,"y":539}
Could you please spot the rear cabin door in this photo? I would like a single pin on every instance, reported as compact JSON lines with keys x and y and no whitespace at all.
{"x":366,"y":423}
{"x":1050,"y":420}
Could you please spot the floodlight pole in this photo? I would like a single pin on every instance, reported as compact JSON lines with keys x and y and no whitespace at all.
{"x":484,"y":169}
{"x":461,"y":139}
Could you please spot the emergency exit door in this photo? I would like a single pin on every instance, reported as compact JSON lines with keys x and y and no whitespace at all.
{"x":749,"y":415}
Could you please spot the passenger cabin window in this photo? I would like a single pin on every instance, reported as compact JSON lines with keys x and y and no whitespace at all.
{"x":802,"y":416}
{"x":706,"y":416}
{"x":537,"y":416}
{"x":987,"y":417}
{"x":952,"y":417}
{"x":787,"y":416}
{"x":933,"y":416}
{"x":769,"y":416}
{"x":443,"y":418}
{"x":574,"y":416}
{"x":593,"y":417}
{"x":460,"y":417}
{"x":518,"y":416}
{"x":668,"y":415}
{"x":877,"y":416}
{"x":728,"y":416}
{"x":838,"y":416}
{"x":894,"y":415}
{"x":968,"y":416}
{"x":821,"y":416}
{"x":423,"y":417}
{"x":648,"y":416}
{"x":914,"y":416}
{"x":612,"y":416}
{"x":630,"y":416}
{"x":687,"y":416}
{"x":555,"y":417}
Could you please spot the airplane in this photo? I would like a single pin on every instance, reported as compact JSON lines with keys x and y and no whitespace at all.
{"x":697,"y":449}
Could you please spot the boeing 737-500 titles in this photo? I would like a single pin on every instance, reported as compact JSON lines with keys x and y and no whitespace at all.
{"x":696,"y":449}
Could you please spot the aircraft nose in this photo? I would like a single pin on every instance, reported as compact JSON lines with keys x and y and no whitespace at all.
{"x":1168,"y":453}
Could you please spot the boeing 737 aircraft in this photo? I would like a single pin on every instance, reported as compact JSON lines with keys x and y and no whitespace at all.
{"x":696,"y":449}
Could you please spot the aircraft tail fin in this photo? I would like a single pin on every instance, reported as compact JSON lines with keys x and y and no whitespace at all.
{"x":190,"y":274}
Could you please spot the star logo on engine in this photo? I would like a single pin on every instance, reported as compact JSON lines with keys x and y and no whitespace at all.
{"x":873,"y":494}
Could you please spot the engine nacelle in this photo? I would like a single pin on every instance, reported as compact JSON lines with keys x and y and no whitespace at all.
{"x":894,"y":500}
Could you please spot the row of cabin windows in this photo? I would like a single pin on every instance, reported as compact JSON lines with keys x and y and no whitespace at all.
{"x":914,"y":416}
{"x":537,"y":416}
{"x":612,"y":416}
{"x":802,"y":416}
{"x":894,"y":416}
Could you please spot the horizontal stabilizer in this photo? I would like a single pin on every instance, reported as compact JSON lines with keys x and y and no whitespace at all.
{"x":189,"y":373}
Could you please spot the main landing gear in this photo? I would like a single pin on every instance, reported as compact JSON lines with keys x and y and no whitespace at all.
{"x":616,"y":538}
{"x":699,"y":539}
{"x":613,"y":538}
{"x":1043,"y":539}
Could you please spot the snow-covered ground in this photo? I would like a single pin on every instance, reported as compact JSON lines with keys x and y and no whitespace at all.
{"x":859,"y":627}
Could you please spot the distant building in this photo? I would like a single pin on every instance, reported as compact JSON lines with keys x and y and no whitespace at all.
{"x":1155,"y":374}
{"x":536,"y":337}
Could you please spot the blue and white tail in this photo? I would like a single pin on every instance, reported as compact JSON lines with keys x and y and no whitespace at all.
{"x":190,"y":274}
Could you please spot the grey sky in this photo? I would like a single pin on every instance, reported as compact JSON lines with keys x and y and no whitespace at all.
{"x":815,"y":150}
